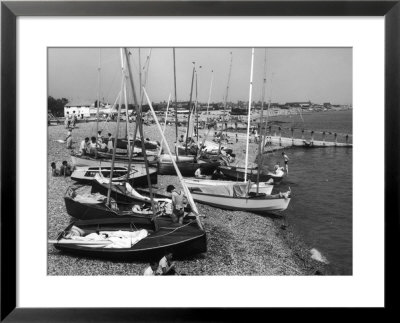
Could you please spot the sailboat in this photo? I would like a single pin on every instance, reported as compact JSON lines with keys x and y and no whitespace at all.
{"x":136,"y":236}
{"x":86,"y":175}
{"x":255,"y":174}
{"x":237,"y":196}
{"x":186,"y":161}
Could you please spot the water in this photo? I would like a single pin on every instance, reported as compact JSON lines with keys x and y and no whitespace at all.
{"x":321,"y":182}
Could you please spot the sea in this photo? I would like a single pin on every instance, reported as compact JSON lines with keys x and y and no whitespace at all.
{"x":321,"y":180}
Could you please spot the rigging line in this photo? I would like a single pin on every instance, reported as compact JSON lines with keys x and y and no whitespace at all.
{"x":168,"y":233}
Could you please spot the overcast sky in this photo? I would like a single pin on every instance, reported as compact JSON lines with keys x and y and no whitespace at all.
{"x":293,"y":74}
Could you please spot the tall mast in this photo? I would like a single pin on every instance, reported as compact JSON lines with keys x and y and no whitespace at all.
{"x":165,"y":125}
{"x":190,"y":110}
{"x":176,"y":108}
{"x":140,"y":126}
{"x":126,"y":105}
{"x":98,"y":99}
{"x":197,"y":113}
{"x":248,"y":116}
{"x":225,"y":102}
{"x":115,"y":143}
{"x":209,"y":93}
{"x":260,"y":153}
{"x":227,"y":91}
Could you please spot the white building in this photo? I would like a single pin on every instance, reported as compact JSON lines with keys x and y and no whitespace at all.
{"x":79,"y":107}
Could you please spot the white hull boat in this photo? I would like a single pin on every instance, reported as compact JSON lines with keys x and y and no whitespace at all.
{"x":271,"y":203}
{"x":167,"y":158}
{"x":80,"y":162}
{"x":264,"y":187}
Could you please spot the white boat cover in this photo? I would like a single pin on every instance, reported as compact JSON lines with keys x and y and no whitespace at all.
{"x":115,"y":239}
{"x":233,"y":189}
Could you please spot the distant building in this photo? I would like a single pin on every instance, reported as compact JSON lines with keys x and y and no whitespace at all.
{"x":79,"y":107}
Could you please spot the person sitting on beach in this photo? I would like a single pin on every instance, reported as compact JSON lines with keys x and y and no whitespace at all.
{"x":99,"y":138}
{"x":166,"y":266}
{"x":68,"y":139}
{"x":151,"y":270}
{"x":65,"y":169}
{"x":83,"y":148}
{"x":181,"y":139}
{"x":177,"y":204}
{"x":92,"y":146}
{"x":278,"y":170}
{"x":54,"y":170}
{"x":198,"y":173}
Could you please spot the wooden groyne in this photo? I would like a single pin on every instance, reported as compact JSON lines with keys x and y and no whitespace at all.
{"x":287,"y":142}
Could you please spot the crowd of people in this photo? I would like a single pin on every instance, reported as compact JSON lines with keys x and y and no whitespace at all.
{"x":89,"y":146}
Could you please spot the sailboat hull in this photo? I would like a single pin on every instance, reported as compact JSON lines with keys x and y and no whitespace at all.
{"x":181,"y":240}
{"x":237,"y":173}
{"x":242,"y":203}
{"x":84,"y":161}
{"x":137,"y":177}
{"x":187,"y":168}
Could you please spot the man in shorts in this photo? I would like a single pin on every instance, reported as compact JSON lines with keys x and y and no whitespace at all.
{"x":177,"y":204}
{"x":286,"y":160}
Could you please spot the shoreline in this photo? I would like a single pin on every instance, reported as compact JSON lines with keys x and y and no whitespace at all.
{"x":239,"y":243}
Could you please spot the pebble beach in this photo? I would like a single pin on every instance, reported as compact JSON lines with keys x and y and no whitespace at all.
{"x":239,"y":243}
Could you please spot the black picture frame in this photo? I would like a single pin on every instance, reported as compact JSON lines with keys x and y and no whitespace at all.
{"x":10,"y":10}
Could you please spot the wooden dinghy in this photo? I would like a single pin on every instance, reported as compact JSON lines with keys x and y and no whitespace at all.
{"x":238,"y":174}
{"x":122,"y":143}
{"x":264,"y":187}
{"x":157,"y":237}
{"x":224,"y":197}
{"x":136,"y":177}
{"x":187,"y":168}
{"x":83,"y":161}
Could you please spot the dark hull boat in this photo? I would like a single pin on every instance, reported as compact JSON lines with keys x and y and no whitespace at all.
{"x":187,"y":168}
{"x":162,"y":236}
{"x":122,"y":143}
{"x":83,"y":205}
{"x":137,"y":176}
{"x":238,"y":173}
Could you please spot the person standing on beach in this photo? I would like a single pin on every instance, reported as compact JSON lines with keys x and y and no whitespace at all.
{"x":67,"y":120}
{"x":68,"y":139}
{"x":286,"y":160}
{"x":237,"y":140}
{"x":255,"y":136}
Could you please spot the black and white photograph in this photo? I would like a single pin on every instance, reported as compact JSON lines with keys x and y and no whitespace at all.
{"x":200,"y":161}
